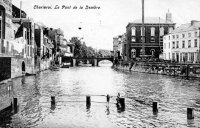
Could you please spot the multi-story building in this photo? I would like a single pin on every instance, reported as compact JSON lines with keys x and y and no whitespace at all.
{"x":124,"y":45}
{"x":183,"y":43}
{"x":115,"y":47}
{"x":155,"y":29}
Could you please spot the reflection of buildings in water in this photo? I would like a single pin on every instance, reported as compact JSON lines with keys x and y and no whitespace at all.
{"x":107,"y":110}
{"x":105,"y":62}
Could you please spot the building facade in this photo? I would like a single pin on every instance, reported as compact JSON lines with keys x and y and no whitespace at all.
{"x":115,"y":47}
{"x":155,"y":29}
{"x":183,"y":44}
{"x":124,"y":45}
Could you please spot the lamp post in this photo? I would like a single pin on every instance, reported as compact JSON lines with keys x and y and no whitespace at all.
{"x":143,"y":31}
{"x":198,"y":57}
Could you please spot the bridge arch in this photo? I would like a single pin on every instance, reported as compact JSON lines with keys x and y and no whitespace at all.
{"x":101,"y":59}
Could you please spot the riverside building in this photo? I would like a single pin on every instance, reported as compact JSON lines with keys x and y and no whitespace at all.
{"x":155,"y":28}
{"x":182,"y":44}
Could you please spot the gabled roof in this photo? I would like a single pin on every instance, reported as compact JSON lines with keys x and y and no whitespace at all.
{"x":187,"y":27}
{"x":151,"y":20}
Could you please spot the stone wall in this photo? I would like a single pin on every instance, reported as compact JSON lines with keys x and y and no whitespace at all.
{"x":5,"y":66}
{"x":5,"y":94}
{"x":16,"y":66}
{"x":179,"y":70}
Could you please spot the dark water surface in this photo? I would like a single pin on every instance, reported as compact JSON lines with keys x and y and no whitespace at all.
{"x":70,"y":86}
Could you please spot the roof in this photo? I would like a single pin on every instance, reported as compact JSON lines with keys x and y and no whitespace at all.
{"x":187,"y":27}
{"x":152,"y":20}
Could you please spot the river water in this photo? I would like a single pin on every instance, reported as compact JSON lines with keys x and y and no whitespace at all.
{"x":71,"y":85}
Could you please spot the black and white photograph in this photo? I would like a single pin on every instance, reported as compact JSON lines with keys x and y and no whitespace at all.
{"x":99,"y":64}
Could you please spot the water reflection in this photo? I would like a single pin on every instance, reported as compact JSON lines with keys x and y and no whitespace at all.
{"x":140,"y":90}
{"x":107,"y":110}
{"x":88,"y":107}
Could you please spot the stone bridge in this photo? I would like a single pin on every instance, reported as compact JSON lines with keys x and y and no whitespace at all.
{"x":93,"y":60}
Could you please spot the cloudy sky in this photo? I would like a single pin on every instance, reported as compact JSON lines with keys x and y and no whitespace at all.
{"x":99,"y":26}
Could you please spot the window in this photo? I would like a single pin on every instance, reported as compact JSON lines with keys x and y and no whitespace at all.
{"x":170,"y":29}
{"x":183,"y":44}
{"x":133,"y":39}
{"x":164,"y":45}
{"x":183,"y":35}
{"x":169,"y":44}
{"x":173,"y":56}
{"x":133,"y":53}
{"x":133,"y":31}
{"x":173,"y":36}
{"x":189,"y":34}
{"x":169,"y":55}
{"x":192,"y":56}
{"x":186,"y":56}
{"x":152,"y":39}
{"x":195,"y":34}
{"x":152,"y":31}
{"x":195,"y":43}
{"x":161,"y":31}
{"x":28,"y":51}
{"x":173,"y":44}
{"x":189,"y":43}
{"x":177,"y":36}
{"x":25,"y":34}
{"x":181,"y":57}
{"x":169,"y":37}
{"x":152,"y":51}
{"x":177,"y":44}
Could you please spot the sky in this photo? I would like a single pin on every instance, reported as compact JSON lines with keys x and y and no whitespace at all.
{"x":99,"y":26}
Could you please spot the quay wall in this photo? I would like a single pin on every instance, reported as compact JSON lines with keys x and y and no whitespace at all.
{"x":178,"y":70}
{"x":17,"y":66}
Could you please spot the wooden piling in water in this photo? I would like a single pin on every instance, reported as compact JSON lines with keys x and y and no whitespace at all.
{"x":53,"y":101}
{"x":190,"y":113}
{"x":155,"y":107}
{"x":187,"y":72}
{"x":122,"y":102}
{"x":88,"y":101}
{"x":15,"y":104}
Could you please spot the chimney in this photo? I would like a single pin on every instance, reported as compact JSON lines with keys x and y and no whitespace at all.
{"x":193,"y":22}
{"x":168,"y":17}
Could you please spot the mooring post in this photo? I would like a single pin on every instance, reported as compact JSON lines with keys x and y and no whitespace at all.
{"x":190,"y":113}
{"x":88,"y":101}
{"x":15,"y":104}
{"x":187,"y":72}
{"x":155,"y":109}
{"x":122,"y":102}
{"x":53,"y":101}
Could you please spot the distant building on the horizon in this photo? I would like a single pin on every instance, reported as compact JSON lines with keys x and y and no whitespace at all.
{"x":183,"y":44}
{"x":155,"y":29}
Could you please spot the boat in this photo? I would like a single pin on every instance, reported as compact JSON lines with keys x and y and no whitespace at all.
{"x":29,"y":74}
{"x":65,"y":65}
{"x":54,"y":68}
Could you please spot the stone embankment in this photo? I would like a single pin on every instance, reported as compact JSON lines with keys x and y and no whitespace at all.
{"x":187,"y":71}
